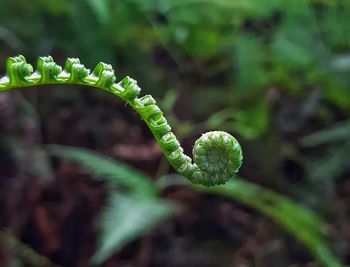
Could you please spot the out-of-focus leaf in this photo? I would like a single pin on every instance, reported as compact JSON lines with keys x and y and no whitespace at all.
{"x":125,"y":218}
{"x":302,"y":223}
{"x":15,"y":262}
{"x":336,"y":132}
{"x":105,"y":168}
{"x":101,"y":9}
{"x":10,"y":39}
{"x":56,"y":6}
{"x":331,"y":165}
{"x":252,"y":121}
{"x":335,"y":160}
{"x":341,"y":62}
{"x":167,"y":103}
{"x":202,"y":43}
{"x":208,"y":99}
{"x":249,"y":123}
{"x":291,"y":51}
{"x":249,"y":62}
{"x":127,"y":215}
{"x":90,"y":36}
{"x":23,"y":253}
{"x":219,"y":118}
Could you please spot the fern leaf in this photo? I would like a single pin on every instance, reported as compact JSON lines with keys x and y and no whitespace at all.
{"x":105,"y":168}
{"x":125,"y":218}
{"x":302,"y":223}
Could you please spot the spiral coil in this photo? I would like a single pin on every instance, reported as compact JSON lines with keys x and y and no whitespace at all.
{"x":217,"y":155}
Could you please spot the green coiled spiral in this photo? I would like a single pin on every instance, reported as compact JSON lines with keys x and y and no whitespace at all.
{"x":217,"y":155}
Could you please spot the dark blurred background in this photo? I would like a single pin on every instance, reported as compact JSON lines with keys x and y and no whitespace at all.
{"x":273,"y":73}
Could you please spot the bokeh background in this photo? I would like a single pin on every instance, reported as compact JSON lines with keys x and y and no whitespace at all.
{"x":273,"y":73}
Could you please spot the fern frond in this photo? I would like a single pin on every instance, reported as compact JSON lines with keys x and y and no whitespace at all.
{"x":217,"y":155}
{"x":125,"y":218}
{"x":107,"y":169}
{"x":303,"y":224}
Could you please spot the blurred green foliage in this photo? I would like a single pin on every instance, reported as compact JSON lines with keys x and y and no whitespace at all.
{"x":130,"y":214}
{"x":246,"y":48}
{"x":274,"y":71}
{"x":133,"y":206}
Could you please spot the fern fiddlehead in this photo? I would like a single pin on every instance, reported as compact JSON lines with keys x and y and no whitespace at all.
{"x":217,"y":155}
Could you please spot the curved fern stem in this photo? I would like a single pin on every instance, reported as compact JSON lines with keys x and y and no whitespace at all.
{"x":217,"y":155}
